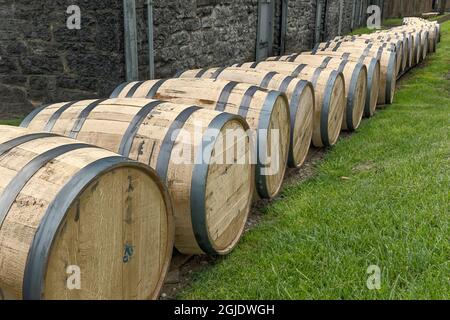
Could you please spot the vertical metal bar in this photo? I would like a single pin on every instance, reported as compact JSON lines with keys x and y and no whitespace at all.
{"x":131,"y":54}
{"x":151,"y":49}
{"x":341,"y":12}
{"x":353,"y":15}
{"x":361,"y":13}
{"x":284,"y":20}
{"x":271,"y":4}
{"x":324,"y":21}
{"x":264,"y":39}
{"x":318,"y":21}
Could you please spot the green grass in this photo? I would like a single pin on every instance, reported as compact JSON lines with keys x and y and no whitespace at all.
{"x":392,"y":210}
{"x":388,"y":23}
{"x":13,"y":122}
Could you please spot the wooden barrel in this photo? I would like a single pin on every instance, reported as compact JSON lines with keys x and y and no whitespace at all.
{"x":408,"y":42}
{"x":329,"y":86}
{"x":266,"y":111}
{"x":211,"y":199}
{"x":388,"y":68}
{"x":300,"y":94}
{"x":370,"y":47}
{"x":373,"y":75}
{"x":70,"y":208}
{"x":422,"y":40}
{"x":433,"y":29}
{"x":414,"y":41}
{"x":397,"y":45}
{"x":401,"y":43}
{"x":356,"y":83}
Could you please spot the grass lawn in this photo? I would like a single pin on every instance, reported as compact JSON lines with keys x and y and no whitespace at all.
{"x":381,"y":197}
{"x":14,"y":122}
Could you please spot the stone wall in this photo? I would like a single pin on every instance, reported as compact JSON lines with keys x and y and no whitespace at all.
{"x":200,"y":33}
{"x":42,"y":61}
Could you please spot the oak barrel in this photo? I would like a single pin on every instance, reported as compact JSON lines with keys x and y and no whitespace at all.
{"x":398,"y":45}
{"x":68,"y":206}
{"x":266,"y":111}
{"x":372,"y":48}
{"x":373,"y":75}
{"x":388,"y":67}
{"x":300,"y":94}
{"x":424,"y":39}
{"x":329,"y":86}
{"x":356,"y":83}
{"x":211,"y":198}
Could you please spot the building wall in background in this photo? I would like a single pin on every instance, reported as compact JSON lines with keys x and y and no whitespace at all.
{"x":406,"y":8}
{"x":42,"y":61}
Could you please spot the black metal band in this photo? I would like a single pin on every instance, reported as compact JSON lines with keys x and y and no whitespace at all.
{"x":217,"y":73}
{"x":351,"y":96}
{"x":417,"y":50}
{"x":316,"y":48}
{"x":346,"y":56}
{"x":264,"y":124}
{"x":316,"y":76}
{"x":338,"y":45}
{"x":118,"y":90}
{"x":14,"y":143}
{"x":325,"y":112}
{"x":380,"y":53}
{"x":178,"y":74}
{"x":265,"y":82}
{"x":239,"y":65}
{"x":278,"y":58}
{"x":225,"y":95}
{"x":325,"y":62}
{"x":26,"y":122}
{"x":391,"y":75}
{"x":55,"y":117}
{"x":285,"y":83}
{"x":16,"y":185}
{"x":247,"y":99}
{"x":254,"y":65}
{"x":201,"y":73}
{"x":370,"y":73}
{"x":362,"y":58}
{"x":37,"y":260}
{"x":154,"y":89}
{"x":293,"y":57}
{"x":293,"y":107}
{"x":199,"y":180}
{"x":82,"y":118}
{"x":162,"y":164}
{"x":133,"y":128}
{"x":342,"y":65}
{"x":298,"y":70}
{"x":329,"y":42}
{"x":133,"y":89}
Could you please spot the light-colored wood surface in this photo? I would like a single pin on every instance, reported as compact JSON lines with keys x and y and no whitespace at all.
{"x":371,"y":47}
{"x":387,"y":67}
{"x":126,"y":205}
{"x":373,"y":74}
{"x":303,"y":110}
{"x":336,"y":105}
{"x":400,"y":46}
{"x":355,"y":90}
{"x":106,"y":126}
{"x":207,"y":93}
